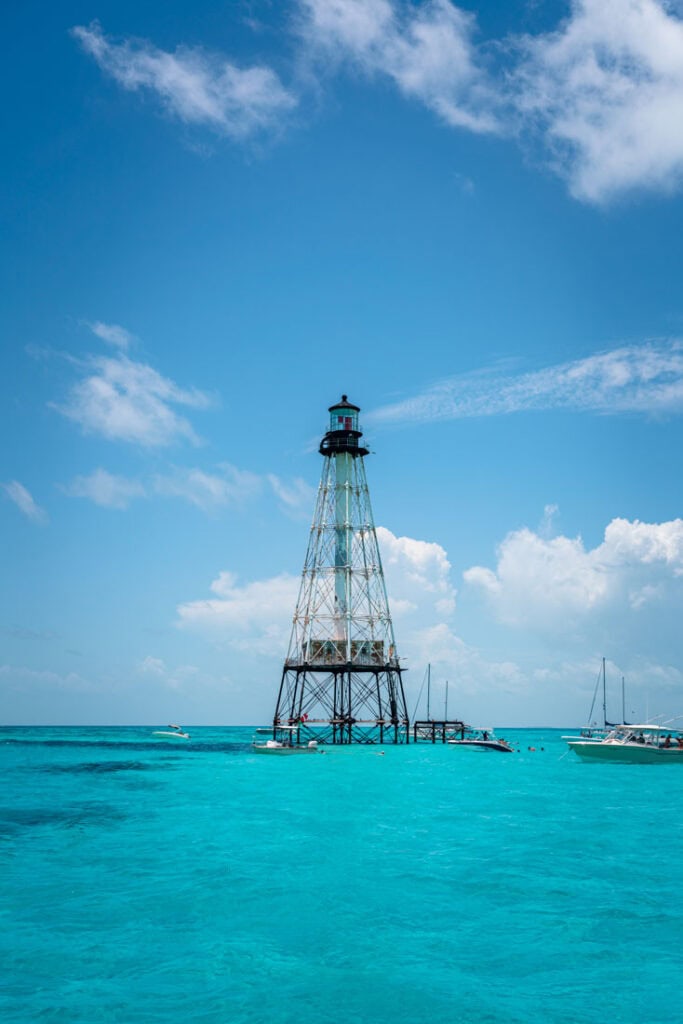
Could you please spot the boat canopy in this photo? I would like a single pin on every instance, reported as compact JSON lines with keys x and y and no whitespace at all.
{"x":646,"y":728}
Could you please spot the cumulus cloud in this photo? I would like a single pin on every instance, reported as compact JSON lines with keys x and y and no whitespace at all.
{"x":645,"y":379}
{"x":113,"y":334}
{"x":417,"y":574}
{"x":23,"y":499}
{"x":468,"y":670}
{"x":426,"y":51}
{"x":194,"y":86}
{"x":556,"y":583}
{"x":256,"y":616}
{"x":544,"y":585}
{"x":105,"y":489}
{"x":124,"y":400}
{"x":606,"y":89}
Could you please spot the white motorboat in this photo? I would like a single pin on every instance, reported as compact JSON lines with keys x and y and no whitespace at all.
{"x":282,"y":740}
{"x":174,"y":732}
{"x":634,"y":744}
{"x":482,"y":739}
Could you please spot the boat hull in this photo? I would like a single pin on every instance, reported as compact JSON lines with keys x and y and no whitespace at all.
{"x":627,"y":753}
{"x":264,"y":748}
{"x":502,"y":748}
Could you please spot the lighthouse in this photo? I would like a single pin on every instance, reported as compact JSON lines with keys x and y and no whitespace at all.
{"x":341,"y":681}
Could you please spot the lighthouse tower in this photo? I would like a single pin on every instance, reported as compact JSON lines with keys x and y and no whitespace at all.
{"x":341,"y":681}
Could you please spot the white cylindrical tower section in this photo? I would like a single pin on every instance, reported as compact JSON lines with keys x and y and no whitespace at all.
{"x":341,"y":444}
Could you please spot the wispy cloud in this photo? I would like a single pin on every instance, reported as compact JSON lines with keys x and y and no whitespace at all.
{"x":19,"y":677}
{"x":601,"y":95}
{"x":23,"y":499}
{"x":645,"y":379}
{"x":195,"y":86}
{"x":177,"y":678}
{"x":221,"y":486}
{"x":209,"y":491}
{"x":427,"y":51}
{"x":105,"y":489}
{"x":296,"y":496}
{"x":113,"y":334}
{"x":124,"y":400}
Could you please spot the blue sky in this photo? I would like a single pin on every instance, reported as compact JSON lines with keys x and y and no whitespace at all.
{"x":216,"y":221}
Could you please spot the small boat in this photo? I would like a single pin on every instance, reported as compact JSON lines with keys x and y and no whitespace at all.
{"x":174,"y":732}
{"x":634,"y":744}
{"x":482,"y":739}
{"x":282,"y":739}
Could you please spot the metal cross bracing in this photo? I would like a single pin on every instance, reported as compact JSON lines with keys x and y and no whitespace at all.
{"x":341,"y":681}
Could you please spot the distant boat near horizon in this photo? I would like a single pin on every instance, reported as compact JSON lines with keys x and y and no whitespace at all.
{"x":174,"y":732}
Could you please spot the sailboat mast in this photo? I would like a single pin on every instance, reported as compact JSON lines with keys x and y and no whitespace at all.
{"x":429,"y":683}
{"x":445,"y":710}
{"x":604,"y":696}
{"x":623,"y":701}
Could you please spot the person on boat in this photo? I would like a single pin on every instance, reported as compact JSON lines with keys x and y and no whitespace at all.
{"x":667,"y":740}
{"x":640,"y":738}
{"x":679,"y":741}
{"x":485,"y":734}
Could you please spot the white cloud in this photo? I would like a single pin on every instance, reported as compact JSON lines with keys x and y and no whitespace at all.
{"x":23,"y":499}
{"x":182,"y":677}
{"x":557,"y":584}
{"x":606,"y":89}
{"x":152,"y":666}
{"x":209,"y":491}
{"x":18,"y":677}
{"x":256,"y":616}
{"x":105,"y":489}
{"x":427,"y":51}
{"x":417,"y":574}
{"x":296,"y":496}
{"x":541,"y":585}
{"x":645,"y":379}
{"x":113,"y":334}
{"x":467,"y":670}
{"x":222,"y":487}
{"x":124,"y":400}
{"x":193,"y":85}
{"x":602,"y":93}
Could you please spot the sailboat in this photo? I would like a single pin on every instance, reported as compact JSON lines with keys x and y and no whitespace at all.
{"x":593,"y":733}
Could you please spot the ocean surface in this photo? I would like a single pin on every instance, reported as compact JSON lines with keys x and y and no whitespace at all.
{"x":145,"y":881}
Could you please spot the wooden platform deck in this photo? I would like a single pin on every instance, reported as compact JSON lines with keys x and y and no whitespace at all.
{"x":438,"y":731}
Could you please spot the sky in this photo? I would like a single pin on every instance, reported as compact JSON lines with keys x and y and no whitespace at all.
{"x":218,"y":218}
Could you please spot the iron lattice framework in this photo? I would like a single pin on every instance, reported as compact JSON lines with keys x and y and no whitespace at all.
{"x":341,"y":681}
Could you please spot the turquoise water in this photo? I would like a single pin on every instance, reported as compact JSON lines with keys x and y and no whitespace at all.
{"x":146,"y":882}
